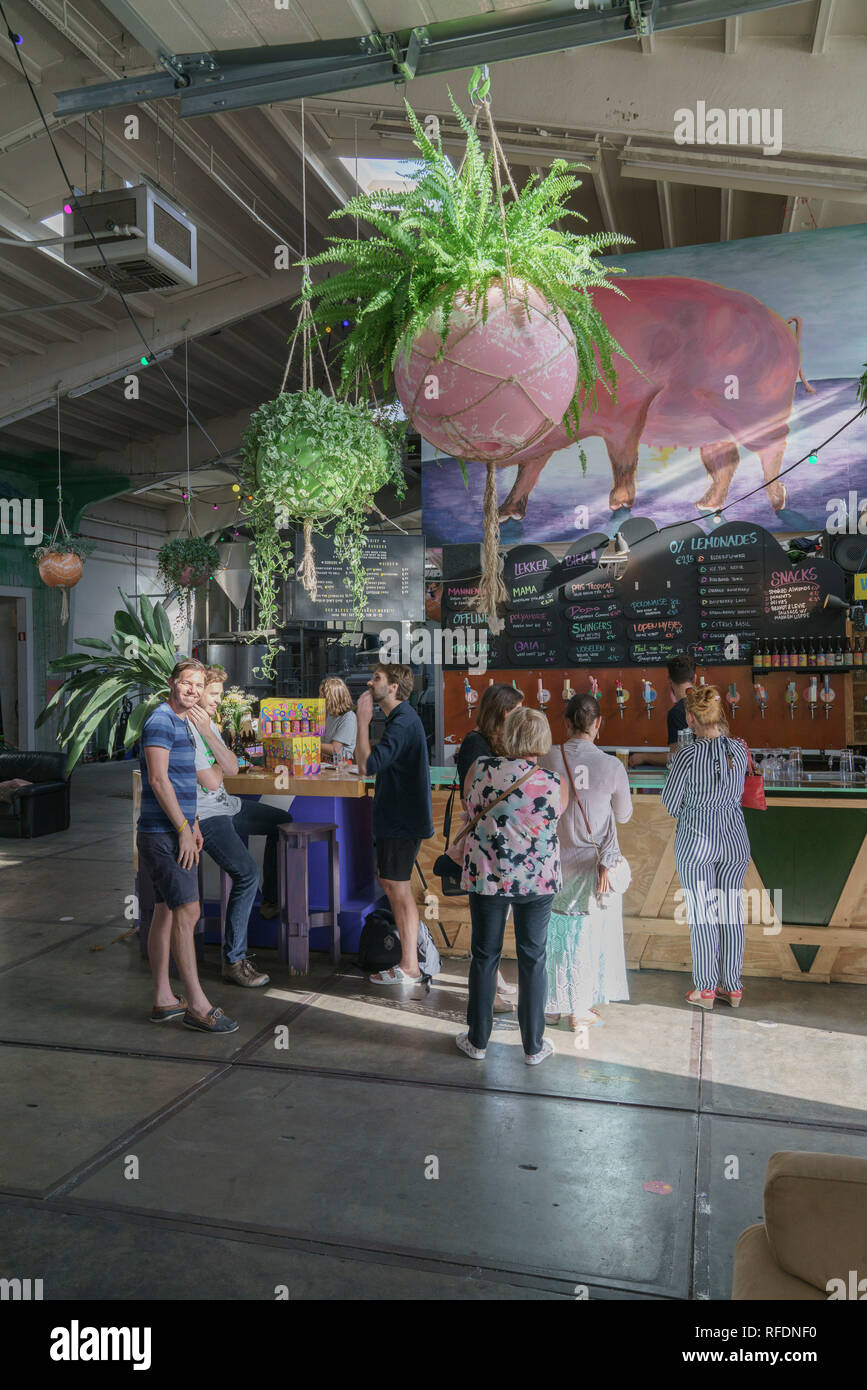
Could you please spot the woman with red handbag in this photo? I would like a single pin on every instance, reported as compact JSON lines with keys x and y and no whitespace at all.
{"x":704,"y":791}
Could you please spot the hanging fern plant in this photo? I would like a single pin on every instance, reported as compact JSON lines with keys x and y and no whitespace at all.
{"x":310,"y":460}
{"x":479,"y":297}
{"x":451,"y":235}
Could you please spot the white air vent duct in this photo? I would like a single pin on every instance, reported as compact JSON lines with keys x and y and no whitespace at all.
{"x":161,"y":259}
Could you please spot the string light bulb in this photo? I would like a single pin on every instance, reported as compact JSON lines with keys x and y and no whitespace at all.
{"x":814,"y":457}
{"x":235,"y":487}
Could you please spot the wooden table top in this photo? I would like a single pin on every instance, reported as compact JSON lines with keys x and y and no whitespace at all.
{"x":260,"y":783}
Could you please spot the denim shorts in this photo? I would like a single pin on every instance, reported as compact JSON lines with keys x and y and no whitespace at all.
{"x":158,"y":857}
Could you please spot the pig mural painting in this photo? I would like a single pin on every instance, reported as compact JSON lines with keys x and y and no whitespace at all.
{"x":718,"y":371}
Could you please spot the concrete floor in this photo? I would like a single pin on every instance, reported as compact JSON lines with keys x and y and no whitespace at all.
{"x":306,"y":1166}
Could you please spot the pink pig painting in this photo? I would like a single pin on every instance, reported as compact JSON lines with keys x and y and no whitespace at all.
{"x":718,"y":374}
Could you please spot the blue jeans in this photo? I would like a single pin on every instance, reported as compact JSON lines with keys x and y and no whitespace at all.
{"x":222,"y":837}
{"x":531,"y":915}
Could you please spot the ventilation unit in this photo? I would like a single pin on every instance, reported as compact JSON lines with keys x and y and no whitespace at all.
{"x":161,"y":258}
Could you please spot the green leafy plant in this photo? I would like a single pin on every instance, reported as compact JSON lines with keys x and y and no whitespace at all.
{"x":141,"y":654}
{"x":183,"y":561}
{"x":862,"y":389}
{"x":449,"y":235}
{"x":65,"y":545}
{"x":312,"y":460}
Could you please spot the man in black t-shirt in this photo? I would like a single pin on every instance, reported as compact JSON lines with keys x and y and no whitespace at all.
{"x":681,"y":675}
{"x":402,"y":811}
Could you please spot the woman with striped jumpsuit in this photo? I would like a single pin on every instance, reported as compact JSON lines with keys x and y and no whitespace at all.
{"x":711,"y":849}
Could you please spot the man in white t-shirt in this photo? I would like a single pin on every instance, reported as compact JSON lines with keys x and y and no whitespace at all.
{"x":223,"y":820}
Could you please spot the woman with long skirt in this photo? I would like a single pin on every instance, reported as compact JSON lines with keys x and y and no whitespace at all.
{"x":586,"y":956}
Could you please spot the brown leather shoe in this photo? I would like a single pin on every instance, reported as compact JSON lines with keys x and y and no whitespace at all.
{"x":244,"y":973}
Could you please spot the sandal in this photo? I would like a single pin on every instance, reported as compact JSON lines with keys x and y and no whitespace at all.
{"x":732,"y":997}
{"x":553,"y":1019}
{"x":394,"y":976}
{"x":701,"y":998}
{"x":576,"y":1023}
{"x":502,"y":1005}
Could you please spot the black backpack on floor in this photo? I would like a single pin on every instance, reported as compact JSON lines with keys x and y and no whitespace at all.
{"x":379,"y":944}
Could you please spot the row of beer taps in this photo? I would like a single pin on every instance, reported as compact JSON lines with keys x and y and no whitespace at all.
{"x":813,"y":694}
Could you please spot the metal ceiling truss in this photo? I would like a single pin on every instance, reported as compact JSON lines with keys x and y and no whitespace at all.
{"x":235,"y":78}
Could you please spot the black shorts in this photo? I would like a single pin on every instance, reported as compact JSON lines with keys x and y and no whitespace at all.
{"x":395,"y":858}
{"x":158,"y":857}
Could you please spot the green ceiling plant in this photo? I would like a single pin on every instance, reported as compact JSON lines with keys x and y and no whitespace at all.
{"x":140,"y":655}
{"x":65,"y":545}
{"x":186,"y":562}
{"x":312,"y":460}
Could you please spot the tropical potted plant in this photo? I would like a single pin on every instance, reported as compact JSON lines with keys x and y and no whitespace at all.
{"x":311,"y":460}
{"x":61,"y":564}
{"x":140,"y":655}
{"x":478,"y":297}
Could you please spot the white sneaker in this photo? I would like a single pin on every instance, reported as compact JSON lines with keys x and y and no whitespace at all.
{"x":537,"y":1057}
{"x":463,"y":1042}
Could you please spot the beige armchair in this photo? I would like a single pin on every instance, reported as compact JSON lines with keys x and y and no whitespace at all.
{"x":815,"y":1230}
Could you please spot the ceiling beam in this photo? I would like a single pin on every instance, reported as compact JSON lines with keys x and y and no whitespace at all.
{"x":99,"y":353}
{"x":733,"y":33}
{"x":666,"y":218}
{"x":727,"y":213}
{"x":822,"y":27}
{"x":256,"y":76}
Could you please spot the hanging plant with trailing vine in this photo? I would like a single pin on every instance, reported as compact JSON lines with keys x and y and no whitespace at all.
{"x":311,"y":460}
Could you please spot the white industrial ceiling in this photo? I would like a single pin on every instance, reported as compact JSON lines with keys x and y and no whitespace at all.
{"x":237,"y":174}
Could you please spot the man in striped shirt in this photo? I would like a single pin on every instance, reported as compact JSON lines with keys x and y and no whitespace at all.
{"x":169,"y":842}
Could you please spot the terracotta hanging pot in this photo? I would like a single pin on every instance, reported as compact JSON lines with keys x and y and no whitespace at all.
{"x":190,"y":578}
{"x":501,"y":384}
{"x":61,"y":569}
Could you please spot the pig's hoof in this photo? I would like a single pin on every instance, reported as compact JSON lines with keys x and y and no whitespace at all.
{"x":620,"y":502}
{"x":778,"y":496}
{"x":515,"y":511}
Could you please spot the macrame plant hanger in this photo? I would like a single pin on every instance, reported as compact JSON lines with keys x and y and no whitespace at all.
{"x":492,"y":590}
{"x":305,"y":329}
{"x":60,"y":532}
{"x":188,"y":525}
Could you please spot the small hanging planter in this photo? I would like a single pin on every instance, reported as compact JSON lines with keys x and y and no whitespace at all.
{"x":310,"y":460}
{"x":61,"y":564}
{"x":185,"y":563}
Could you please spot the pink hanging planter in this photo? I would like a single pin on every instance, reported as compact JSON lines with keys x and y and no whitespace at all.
{"x":501,"y":383}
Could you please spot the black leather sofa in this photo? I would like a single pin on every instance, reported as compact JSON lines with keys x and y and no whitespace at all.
{"x":41,"y":809}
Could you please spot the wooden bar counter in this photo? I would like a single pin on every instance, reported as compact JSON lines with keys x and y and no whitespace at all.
{"x":810,"y":845}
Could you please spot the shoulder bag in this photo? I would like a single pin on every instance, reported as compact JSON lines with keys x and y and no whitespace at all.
{"x":619,"y":874}
{"x":754,"y":785}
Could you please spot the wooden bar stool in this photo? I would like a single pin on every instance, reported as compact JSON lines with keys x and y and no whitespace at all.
{"x":293,"y":880}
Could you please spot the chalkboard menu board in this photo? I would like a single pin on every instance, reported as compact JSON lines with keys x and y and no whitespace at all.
{"x":394,"y":573}
{"x":714,"y":594}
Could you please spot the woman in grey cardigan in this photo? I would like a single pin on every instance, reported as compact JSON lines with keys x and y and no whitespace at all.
{"x":586,"y":958}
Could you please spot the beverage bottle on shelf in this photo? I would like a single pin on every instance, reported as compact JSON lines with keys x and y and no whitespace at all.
{"x":775,"y":656}
{"x":766,"y":654}
{"x":858,"y":652}
{"x":784,"y":654}
{"x":837,"y":652}
{"x":757,"y":657}
{"x":821,"y":654}
{"x":802,"y":655}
